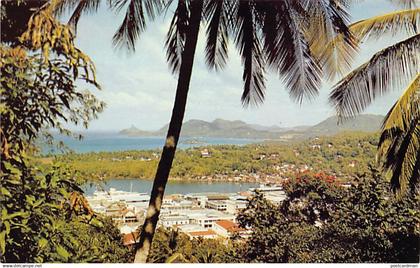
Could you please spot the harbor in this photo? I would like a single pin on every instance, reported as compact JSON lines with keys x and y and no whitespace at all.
{"x":204,"y":214}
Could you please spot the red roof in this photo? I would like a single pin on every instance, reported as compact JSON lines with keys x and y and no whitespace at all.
{"x":129,"y":239}
{"x":229,"y":226}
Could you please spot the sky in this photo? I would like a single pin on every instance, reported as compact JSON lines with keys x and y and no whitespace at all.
{"x":138,"y":88}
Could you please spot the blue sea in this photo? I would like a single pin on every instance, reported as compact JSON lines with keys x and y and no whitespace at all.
{"x":111,"y":142}
{"x":173,"y":187}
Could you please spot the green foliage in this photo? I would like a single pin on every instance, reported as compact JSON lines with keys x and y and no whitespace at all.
{"x":370,"y":225}
{"x":322,"y":222}
{"x":44,"y":216}
{"x":40,"y":224}
{"x":171,"y":246}
{"x":229,"y":161}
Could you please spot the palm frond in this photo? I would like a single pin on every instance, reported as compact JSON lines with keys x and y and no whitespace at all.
{"x":393,"y":23}
{"x":175,"y":39}
{"x":134,"y":21}
{"x":62,"y":6}
{"x":82,"y":7}
{"x":288,"y":50}
{"x":217,"y":34}
{"x":400,"y":154}
{"x":387,"y":69}
{"x":406,"y":109}
{"x":338,"y":54}
{"x":252,"y":56}
{"x":330,"y":38}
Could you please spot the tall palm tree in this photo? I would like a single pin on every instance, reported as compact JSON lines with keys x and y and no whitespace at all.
{"x":276,"y":34}
{"x":388,"y":69}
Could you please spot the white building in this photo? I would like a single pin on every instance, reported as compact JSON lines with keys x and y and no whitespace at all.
{"x":234,"y":206}
{"x":186,"y":228}
{"x":207,"y":234}
{"x":207,"y":220}
{"x":174,"y":207}
{"x":275,"y":194}
{"x":219,"y":205}
{"x":171,"y":220}
{"x":199,"y":199}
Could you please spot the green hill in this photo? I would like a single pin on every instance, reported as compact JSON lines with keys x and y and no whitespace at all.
{"x":238,"y":129}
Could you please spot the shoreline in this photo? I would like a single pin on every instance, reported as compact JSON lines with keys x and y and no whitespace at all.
{"x":209,"y":179}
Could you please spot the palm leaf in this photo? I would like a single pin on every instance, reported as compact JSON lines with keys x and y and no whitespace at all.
{"x":78,"y":8}
{"x":399,"y":143}
{"x":400,"y":153}
{"x":394,"y":23}
{"x":299,"y":67}
{"x":287,"y":48}
{"x":252,"y":55}
{"x":217,"y":34}
{"x":176,"y":36}
{"x":338,"y":54}
{"x":387,"y":69}
{"x":134,"y":22}
{"x":406,"y":109}
{"x":331,"y":40}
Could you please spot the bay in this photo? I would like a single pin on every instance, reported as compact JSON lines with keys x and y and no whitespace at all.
{"x":173,"y":187}
{"x":111,"y":142}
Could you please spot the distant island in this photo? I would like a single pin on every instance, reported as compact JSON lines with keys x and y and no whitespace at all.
{"x":221,"y":128}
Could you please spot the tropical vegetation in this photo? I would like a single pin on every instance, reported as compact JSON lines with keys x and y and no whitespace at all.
{"x":44,"y":216}
{"x":275,"y":35}
{"x":321,"y":221}
{"x":387,"y":70}
{"x":344,"y":156}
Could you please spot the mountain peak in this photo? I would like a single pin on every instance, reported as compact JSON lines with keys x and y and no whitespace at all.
{"x":222,"y":128}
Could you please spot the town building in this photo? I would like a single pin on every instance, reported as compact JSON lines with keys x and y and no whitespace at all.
{"x":207,"y":220}
{"x":235,"y":205}
{"x":171,"y":220}
{"x":219,"y":205}
{"x":226,"y":228}
{"x":207,"y":234}
{"x":130,"y":239}
{"x":205,"y":153}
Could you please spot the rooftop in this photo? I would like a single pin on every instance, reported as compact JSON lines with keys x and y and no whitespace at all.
{"x":129,"y":239}
{"x":229,"y":226}
{"x":202,"y":233}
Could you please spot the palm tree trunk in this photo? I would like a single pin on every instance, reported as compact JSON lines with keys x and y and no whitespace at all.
{"x":168,"y":153}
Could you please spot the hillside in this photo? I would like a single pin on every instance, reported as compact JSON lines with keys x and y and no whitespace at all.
{"x":238,"y":129}
{"x":330,"y":126}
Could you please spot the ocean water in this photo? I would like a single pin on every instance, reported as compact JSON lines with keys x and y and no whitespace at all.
{"x":111,"y":142}
{"x":145,"y":186}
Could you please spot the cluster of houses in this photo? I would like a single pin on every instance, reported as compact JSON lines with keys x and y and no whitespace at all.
{"x":206,"y":215}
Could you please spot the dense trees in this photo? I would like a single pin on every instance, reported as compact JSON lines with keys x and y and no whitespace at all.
{"x":44,"y":216}
{"x":322,"y":222}
{"x":335,"y":157}
{"x":173,"y":246}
